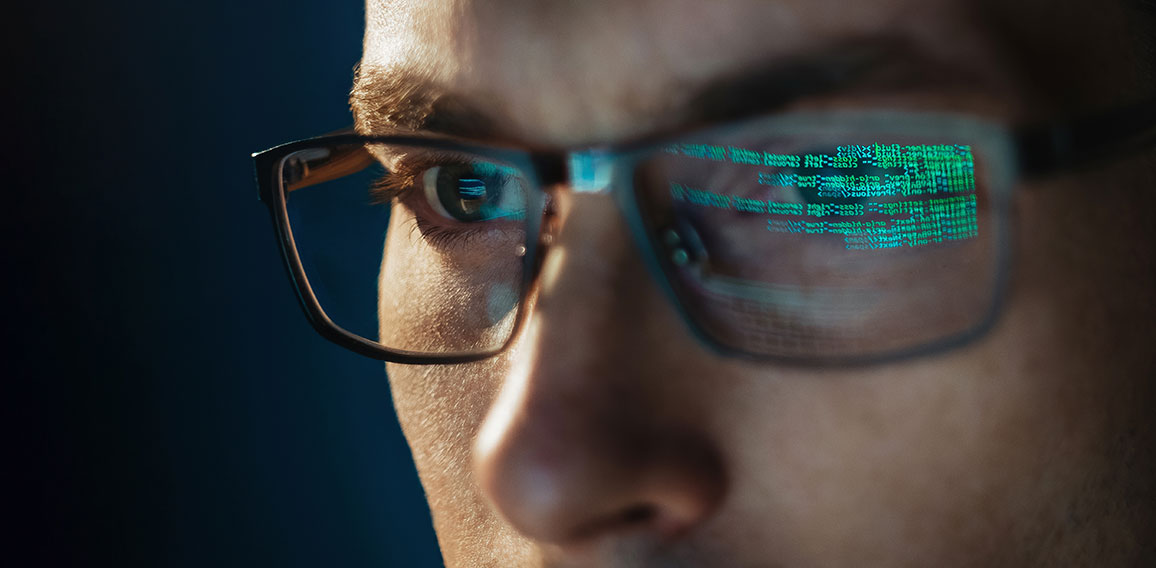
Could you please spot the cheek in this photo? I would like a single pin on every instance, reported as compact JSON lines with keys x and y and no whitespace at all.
{"x":938,"y":460}
{"x":420,"y":308}
{"x":443,"y":298}
{"x":440,"y":409}
{"x":423,"y":305}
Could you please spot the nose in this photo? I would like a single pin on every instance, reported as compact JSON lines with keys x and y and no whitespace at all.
{"x":593,"y":435}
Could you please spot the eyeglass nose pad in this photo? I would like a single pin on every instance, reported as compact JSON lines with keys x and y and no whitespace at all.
{"x":684,"y":245}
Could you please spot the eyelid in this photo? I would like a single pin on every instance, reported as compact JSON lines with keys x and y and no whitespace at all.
{"x":410,"y":166}
{"x":397,"y":181}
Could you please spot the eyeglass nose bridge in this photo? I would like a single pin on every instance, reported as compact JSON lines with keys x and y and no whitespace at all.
{"x":590,"y":171}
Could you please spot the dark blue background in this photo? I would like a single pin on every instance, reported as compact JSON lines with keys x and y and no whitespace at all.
{"x":167,"y":403}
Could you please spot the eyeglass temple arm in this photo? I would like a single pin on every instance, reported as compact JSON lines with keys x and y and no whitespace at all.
{"x":1051,"y":148}
{"x":344,"y":160}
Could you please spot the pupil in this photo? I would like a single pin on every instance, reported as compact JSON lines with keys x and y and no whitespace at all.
{"x":466,"y":193}
{"x":470,"y":188}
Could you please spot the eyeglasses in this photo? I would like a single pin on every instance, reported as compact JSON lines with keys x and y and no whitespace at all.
{"x":813,"y":237}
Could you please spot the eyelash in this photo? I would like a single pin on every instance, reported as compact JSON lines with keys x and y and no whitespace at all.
{"x":397,"y":183}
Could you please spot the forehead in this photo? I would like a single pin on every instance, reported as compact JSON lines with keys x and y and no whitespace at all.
{"x":581,"y":71}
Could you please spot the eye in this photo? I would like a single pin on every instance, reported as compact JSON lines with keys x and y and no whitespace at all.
{"x":840,"y":180}
{"x":474,"y":191}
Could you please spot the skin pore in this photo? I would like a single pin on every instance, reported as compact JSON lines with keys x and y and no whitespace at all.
{"x":608,"y":436}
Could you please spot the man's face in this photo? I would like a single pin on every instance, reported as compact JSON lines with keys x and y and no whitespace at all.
{"x":609,"y":436}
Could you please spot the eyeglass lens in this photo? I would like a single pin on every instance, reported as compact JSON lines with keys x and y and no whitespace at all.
{"x":426,"y":256}
{"x":813,"y":246}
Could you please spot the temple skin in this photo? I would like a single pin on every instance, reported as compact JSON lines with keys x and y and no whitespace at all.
{"x":608,"y":436}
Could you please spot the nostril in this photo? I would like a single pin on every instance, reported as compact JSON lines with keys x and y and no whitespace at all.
{"x":640,"y":514}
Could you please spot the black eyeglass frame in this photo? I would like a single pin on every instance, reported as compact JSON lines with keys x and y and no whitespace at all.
{"x":1038,"y":150}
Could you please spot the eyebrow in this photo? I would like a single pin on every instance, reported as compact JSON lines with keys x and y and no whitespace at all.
{"x":408,"y":101}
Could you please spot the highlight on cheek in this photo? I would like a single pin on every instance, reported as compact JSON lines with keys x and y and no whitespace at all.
{"x":500,"y":302}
